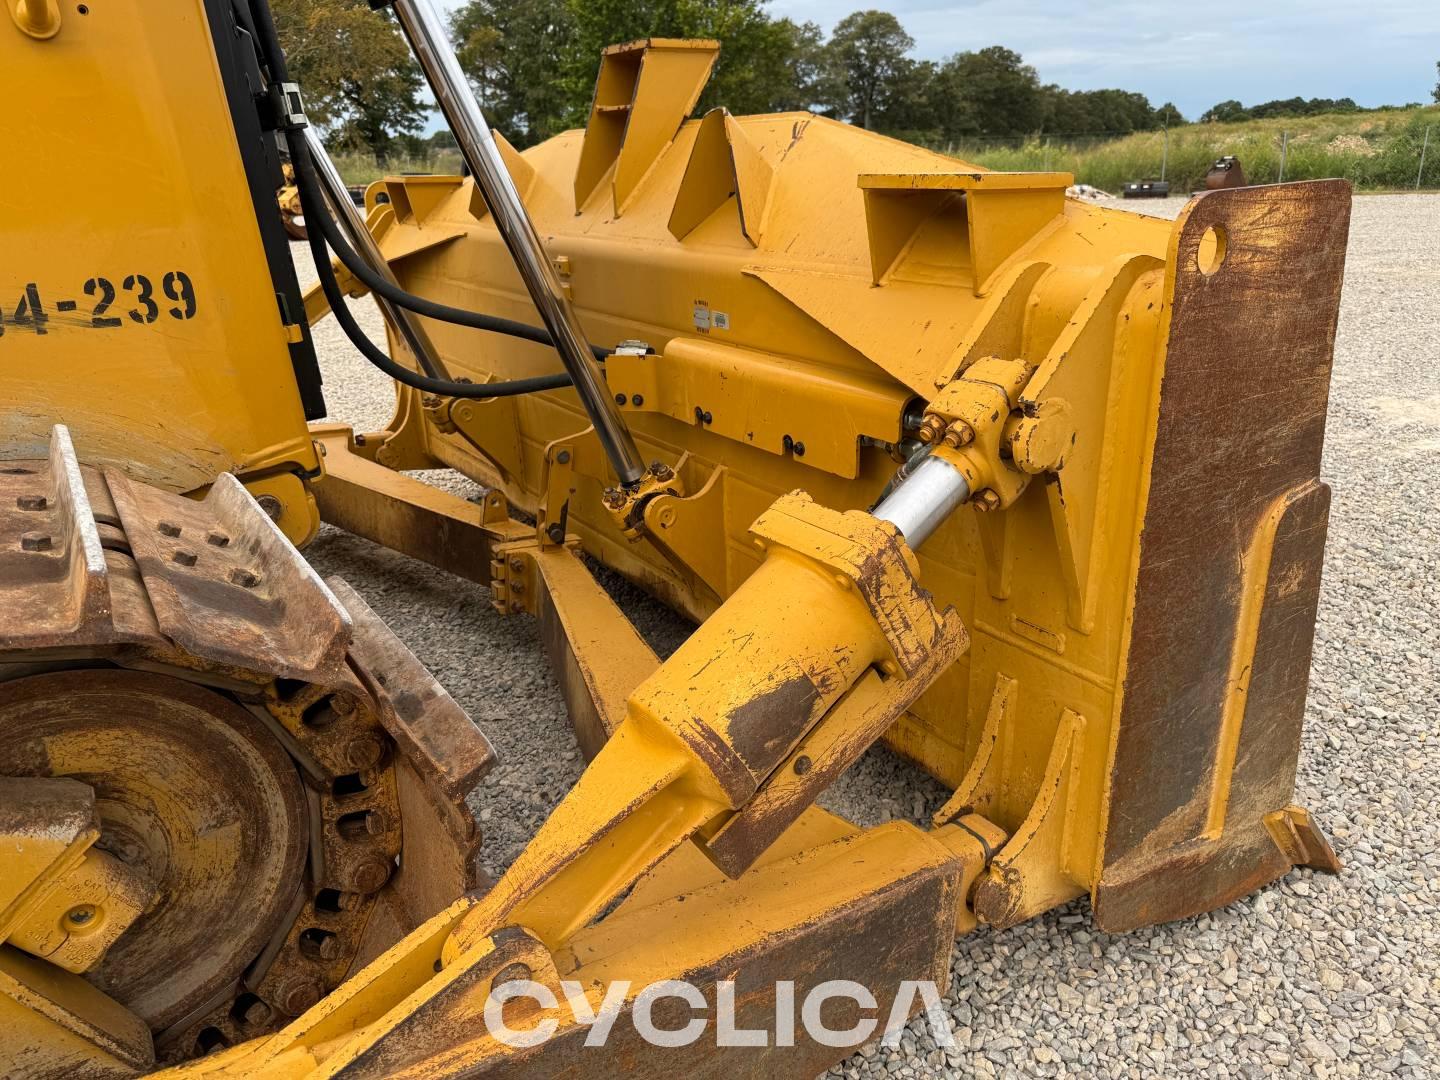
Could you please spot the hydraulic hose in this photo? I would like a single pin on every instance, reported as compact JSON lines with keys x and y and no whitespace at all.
{"x":313,"y":204}
{"x":382,"y":360}
{"x":306,"y":179}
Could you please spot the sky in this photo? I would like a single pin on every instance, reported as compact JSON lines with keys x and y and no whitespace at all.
{"x":1195,"y":53}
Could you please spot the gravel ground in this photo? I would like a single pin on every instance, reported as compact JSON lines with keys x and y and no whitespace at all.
{"x":1317,"y":975}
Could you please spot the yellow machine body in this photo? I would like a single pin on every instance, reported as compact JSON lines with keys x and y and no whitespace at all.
{"x":1103,"y":653}
{"x":139,"y":306}
{"x":801,"y":282}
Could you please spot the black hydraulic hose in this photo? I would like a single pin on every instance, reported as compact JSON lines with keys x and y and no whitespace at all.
{"x":399,"y":372}
{"x":352,"y":260}
{"x":312,"y":202}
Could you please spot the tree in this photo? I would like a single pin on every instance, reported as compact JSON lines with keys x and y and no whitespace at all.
{"x":356,"y":72}
{"x":869,"y":50}
{"x":792,"y":72}
{"x":1227,"y":112}
{"x":812,"y":77}
{"x":991,"y":92}
{"x":514,"y":55}
{"x":759,"y":56}
{"x":1169,"y":116}
{"x":1436,"y":92}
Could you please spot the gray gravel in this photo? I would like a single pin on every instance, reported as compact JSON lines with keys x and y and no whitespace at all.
{"x":1318,"y":976}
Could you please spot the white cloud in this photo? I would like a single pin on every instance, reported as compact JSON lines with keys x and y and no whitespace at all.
{"x":1193,"y":52}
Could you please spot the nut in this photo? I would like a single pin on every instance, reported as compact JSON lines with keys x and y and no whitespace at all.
{"x":986,"y":500}
{"x":931,"y":428}
{"x":959,"y":434}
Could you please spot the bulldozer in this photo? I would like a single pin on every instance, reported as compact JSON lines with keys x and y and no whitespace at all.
{"x":1024,"y":488}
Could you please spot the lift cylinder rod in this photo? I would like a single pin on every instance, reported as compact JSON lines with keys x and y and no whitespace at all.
{"x":426,"y":32}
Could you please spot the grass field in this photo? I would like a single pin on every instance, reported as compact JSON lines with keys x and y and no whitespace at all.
{"x":1374,"y":150}
{"x":362,"y":168}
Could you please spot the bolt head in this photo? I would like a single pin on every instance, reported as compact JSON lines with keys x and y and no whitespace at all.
{"x":370,"y":875}
{"x":364,"y":751}
{"x":297,"y":994}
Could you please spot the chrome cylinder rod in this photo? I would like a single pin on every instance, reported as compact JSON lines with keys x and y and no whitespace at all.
{"x":406,"y":323}
{"x":426,"y":32}
{"x":921,"y":502}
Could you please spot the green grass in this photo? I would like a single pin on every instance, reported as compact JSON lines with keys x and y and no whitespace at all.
{"x":362,"y":168}
{"x":1374,"y":150}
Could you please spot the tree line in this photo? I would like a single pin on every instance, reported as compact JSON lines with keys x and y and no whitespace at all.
{"x":533,"y":65}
